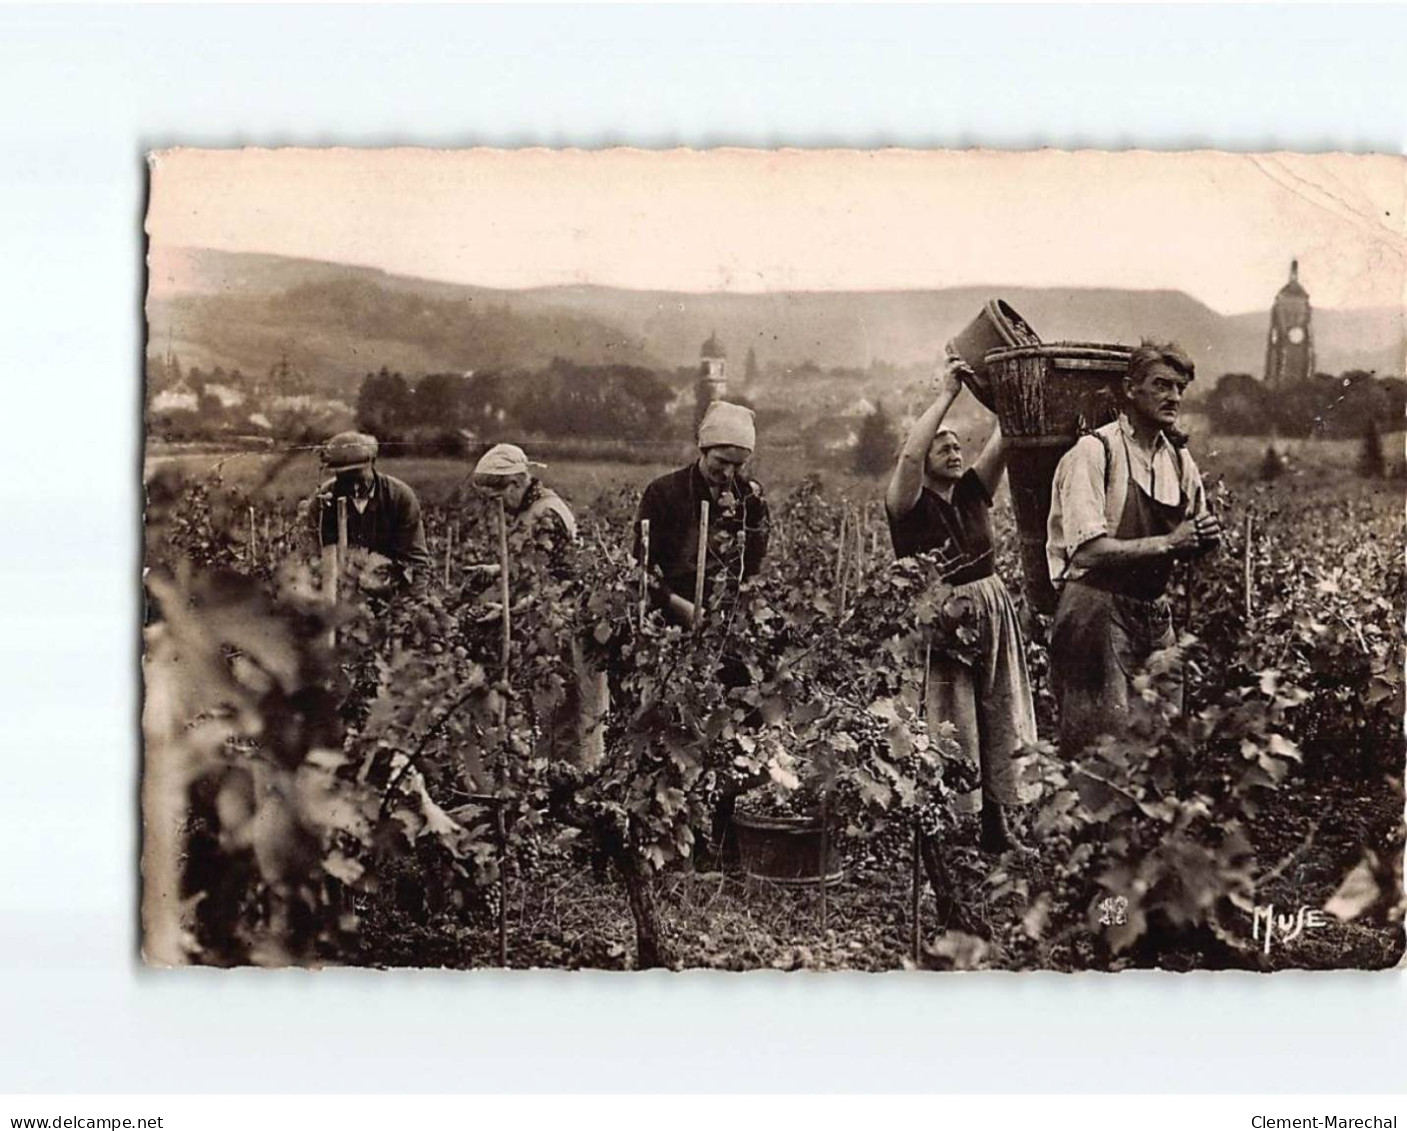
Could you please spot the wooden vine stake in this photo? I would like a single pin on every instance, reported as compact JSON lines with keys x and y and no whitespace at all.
{"x":825,"y":847}
{"x":840,"y":545}
{"x":847,"y":555}
{"x":847,"y":561}
{"x":867,"y":553}
{"x":700,"y":565}
{"x":332,"y":555}
{"x":916,"y":866}
{"x":1189,"y":579}
{"x":861,"y":521}
{"x":507,"y":639}
{"x":916,"y":894}
{"x":1189,"y":593}
{"x":500,"y":824}
{"x":644,"y":571}
{"x":253,"y":540}
{"x":449,"y":551}
{"x":841,"y":558}
{"x":1246,"y":567}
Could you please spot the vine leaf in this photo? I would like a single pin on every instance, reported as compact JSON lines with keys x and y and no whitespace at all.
{"x":1358,"y":892}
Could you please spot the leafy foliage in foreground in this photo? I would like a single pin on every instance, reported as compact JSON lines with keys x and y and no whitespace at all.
{"x":327,"y":802}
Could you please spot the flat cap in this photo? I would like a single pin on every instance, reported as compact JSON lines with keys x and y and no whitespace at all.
{"x":347,"y":450}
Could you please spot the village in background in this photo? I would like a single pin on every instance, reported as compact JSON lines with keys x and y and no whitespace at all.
{"x":265,"y":351}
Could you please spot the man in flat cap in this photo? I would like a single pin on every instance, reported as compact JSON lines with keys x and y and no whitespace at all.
{"x":383,"y":514}
{"x":737,"y":509}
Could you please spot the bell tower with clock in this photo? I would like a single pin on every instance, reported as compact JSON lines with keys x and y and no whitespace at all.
{"x":1289,"y":351}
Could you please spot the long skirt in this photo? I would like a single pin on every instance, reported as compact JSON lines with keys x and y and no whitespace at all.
{"x":1099,"y":643}
{"x":990,"y":701}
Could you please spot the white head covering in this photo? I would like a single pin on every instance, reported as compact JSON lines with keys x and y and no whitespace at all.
{"x":726,"y":423}
{"x":504,"y":459}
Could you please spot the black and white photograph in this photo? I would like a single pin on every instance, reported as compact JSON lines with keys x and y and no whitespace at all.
{"x":746,"y":559}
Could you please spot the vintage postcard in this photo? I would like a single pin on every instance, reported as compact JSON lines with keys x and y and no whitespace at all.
{"x":824,"y":560}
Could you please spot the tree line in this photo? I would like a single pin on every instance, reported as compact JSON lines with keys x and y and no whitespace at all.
{"x":1343,"y":407}
{"x":616,"y":401}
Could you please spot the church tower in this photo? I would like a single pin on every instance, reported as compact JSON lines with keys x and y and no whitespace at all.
{"x":712,"y":382}
{"x":1289,"y":351}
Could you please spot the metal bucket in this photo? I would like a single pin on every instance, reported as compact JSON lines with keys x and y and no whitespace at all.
{"x":1046,"y":397}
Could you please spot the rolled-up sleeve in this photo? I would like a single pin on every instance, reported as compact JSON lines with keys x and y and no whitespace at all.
{"x":1077,"y":511}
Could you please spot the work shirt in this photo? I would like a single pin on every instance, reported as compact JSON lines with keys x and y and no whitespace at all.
{"x":1091,"y":486}
{"x":960,"y":529}
{"x":389,"y":523}
{"x":671,"y":504}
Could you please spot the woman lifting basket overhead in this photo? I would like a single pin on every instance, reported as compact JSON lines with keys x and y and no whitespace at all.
{"x":937,"y":506}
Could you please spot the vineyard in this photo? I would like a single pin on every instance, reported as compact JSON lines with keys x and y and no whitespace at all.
{"x":384,"y":780}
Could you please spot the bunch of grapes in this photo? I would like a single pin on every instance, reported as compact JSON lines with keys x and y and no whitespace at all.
{"x":930,"y":818}
{"x":527,"y":855}
{"x":485,"y":908}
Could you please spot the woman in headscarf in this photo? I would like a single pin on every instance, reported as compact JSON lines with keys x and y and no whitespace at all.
{"x":937,"y":506}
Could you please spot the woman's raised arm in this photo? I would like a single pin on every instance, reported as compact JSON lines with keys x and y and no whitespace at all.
{"x":906,"y":484}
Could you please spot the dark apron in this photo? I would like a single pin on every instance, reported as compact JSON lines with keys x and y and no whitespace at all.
{"x":723,"y":525}
{"x":1108,"y":622}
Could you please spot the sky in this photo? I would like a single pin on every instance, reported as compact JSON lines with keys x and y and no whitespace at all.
{"x":1221,"y":227}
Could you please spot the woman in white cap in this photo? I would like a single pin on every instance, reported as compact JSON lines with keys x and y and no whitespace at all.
{"x":576,"y":728}
{"x":737,"y":513}
{"x":937,"y":506}
{"x":504,"y":471}
{"x":727,"y":437}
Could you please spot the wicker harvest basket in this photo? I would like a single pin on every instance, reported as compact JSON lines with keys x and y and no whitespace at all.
{"x":1045,"y":396}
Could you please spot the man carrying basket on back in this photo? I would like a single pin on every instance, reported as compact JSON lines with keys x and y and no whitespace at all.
{"x":1127,"y":504}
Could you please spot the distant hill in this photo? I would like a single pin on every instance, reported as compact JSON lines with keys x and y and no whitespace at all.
{"x":855,"y":328}
{"x":340,"y":321}
{"x":336,"y":322}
